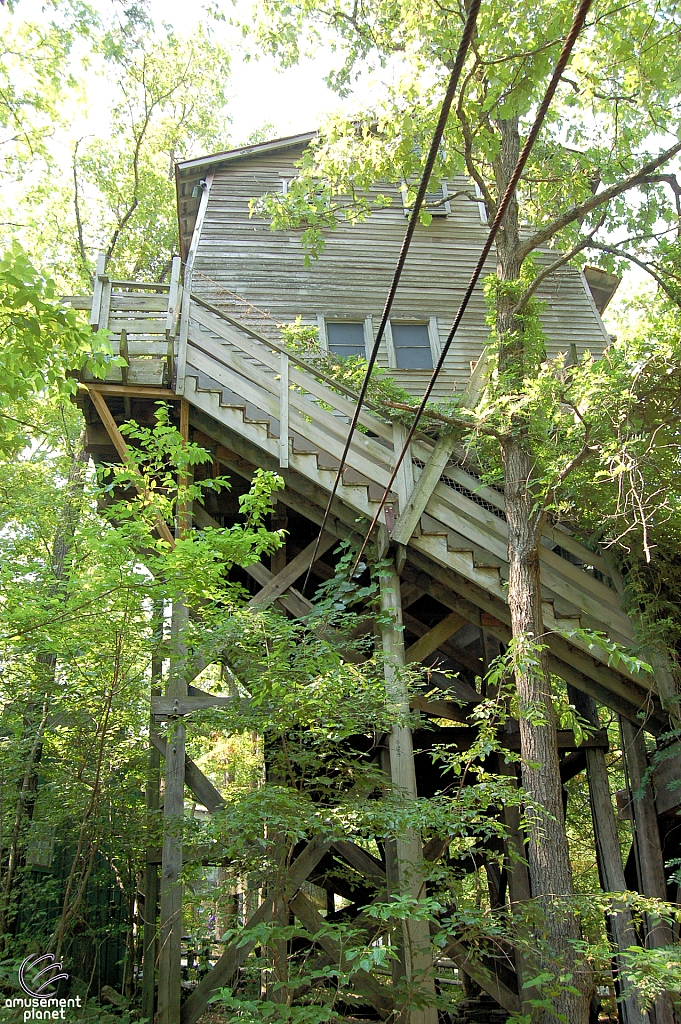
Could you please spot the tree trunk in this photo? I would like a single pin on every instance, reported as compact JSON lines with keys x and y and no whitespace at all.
{"x":549,"y":857}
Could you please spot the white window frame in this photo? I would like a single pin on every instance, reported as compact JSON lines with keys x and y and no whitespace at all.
{"x":433,"y":336}
{"x":482,"y":209}
{"x":322,"y":321}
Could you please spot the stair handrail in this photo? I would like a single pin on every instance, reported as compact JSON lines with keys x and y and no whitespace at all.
{"x":578,"y":547}
{"x":282,"y":350}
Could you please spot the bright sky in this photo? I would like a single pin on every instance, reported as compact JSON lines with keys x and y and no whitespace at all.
{"x":292,"y":100}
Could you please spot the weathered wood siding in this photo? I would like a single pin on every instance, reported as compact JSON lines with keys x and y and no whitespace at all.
{"x":241,"y":261}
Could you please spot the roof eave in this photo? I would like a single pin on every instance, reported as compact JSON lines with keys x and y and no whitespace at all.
{"x":197,"y":163}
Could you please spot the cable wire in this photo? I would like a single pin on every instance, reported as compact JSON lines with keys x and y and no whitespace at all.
{"x":462,"y":53}
{"x":570,"y":41}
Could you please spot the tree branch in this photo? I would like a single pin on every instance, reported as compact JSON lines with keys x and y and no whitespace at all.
{"x":621,"y":254}
{"x":614,"y":190}
{"x":79,"y":219}
{"x":561,"y":261}
{"x":452,"y":421}
{"x":468,"y":149}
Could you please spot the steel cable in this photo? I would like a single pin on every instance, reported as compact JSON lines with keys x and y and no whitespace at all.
{"x":568,"y":46}
{"x":462,"y":53}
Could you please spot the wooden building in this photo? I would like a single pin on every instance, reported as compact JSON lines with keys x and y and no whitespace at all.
{"x":240,"y":266}
{"x":211,"y":343}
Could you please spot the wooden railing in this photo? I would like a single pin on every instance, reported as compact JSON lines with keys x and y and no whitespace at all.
{"x":299,"y":399}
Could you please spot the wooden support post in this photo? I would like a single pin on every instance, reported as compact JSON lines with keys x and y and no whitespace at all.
{"x":608,"y":853}
{"x":151,"y":886}
{"x":169,"y":978}
{"x":186,"y":293}
{"x":283,"y":411}
{"x":153,"y":802}
{"x":184,"y":479}
{"x":279,"y":522}
{"x":100,"y":280}
{"x":125,"y":353}
{"x":410,"y":864}
{"x":404,"y":481}
{"x":174,"y":307}
{"x":647,"y":845}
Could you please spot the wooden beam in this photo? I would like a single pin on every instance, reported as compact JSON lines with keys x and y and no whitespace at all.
{"x":446,"y":709}
{"x":584,"y":671}
{"x":100,"y":280}
{"x":360,"y":860}
{"x":487,"y":981}
{"x":121,"y":447}
{"x":201,"y":786}
{"x":290,"y":573}
{"x":170,"y":932}
{"x":237,"y":951}
{"x":293,"y":601}
{"x":171,"y":707}
{"x":410,"y":517}
{"x":646,"y":839}
{"x":408,"y":849}
{"x":420,"y":496}
{"x":431,"y":640}
{"x":128,"y":390}
{"x":151,"y":886}
{"x":367,"y":986}
{"x":608,"y":853}
{"x":451,"y":650}
{"x":666,"y":778}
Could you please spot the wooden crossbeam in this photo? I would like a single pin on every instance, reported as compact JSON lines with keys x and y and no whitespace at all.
{"x":129,"y":390}
{"x":292,"y":600}
{"x":439,"y":708}
{"x":431,"y":640}
{"x":121,"y":447}
{"x":171,"y":707}
{"x":458,"y":655}
{"x":290,"y":573}
{"x":363,"y":982}
{"x":237,"y":951}
{"x":582,"y":670}
{"x":201,"y":786}
{"x":360,"y":860}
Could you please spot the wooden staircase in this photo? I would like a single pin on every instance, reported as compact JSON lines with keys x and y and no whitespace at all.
{"x":275,"y":409}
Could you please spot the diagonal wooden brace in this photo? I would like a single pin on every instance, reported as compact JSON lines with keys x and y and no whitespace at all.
{"x":235,"y":954}
{"x":367,"y":986}
{"x":202,"y":788}
{"x":439,"y":457}
{"x":290,"y":573}
{"x":431,"y":640}
{"x":121,"y":447}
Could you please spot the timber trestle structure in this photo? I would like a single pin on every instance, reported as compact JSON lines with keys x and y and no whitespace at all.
{"x":254,"y":403}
